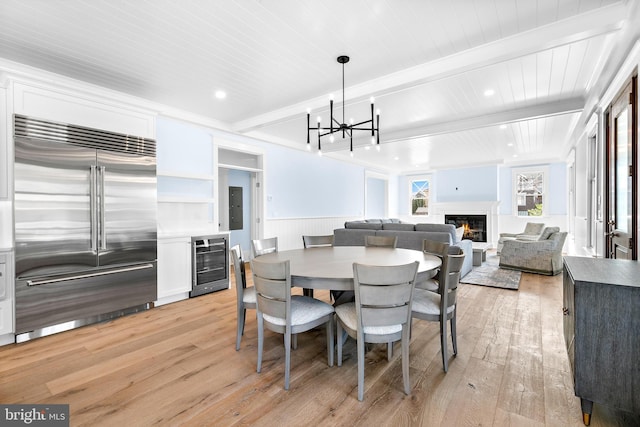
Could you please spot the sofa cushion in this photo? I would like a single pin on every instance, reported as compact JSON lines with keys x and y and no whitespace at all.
{"x":350,"y":237}
{"x":448,"y":228}
{"x":533,"y":228}
{"x":359,"y":225}
{"x":398,"y":227}
{"x":547,"y":232}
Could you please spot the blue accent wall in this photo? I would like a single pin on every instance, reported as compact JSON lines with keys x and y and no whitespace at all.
{"x":303,"y":185}
{"x":477,"y":184}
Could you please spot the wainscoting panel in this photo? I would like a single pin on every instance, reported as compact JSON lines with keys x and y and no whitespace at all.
{"x":290,"y":231}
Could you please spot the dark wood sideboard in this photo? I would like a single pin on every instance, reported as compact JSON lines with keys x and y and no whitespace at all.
{"x":601,"y":306}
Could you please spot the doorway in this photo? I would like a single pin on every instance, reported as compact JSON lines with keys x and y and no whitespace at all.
{"x":239,"y":195}
{"x":621,"y":164}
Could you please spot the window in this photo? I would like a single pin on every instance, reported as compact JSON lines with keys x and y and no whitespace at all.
{"x":529,"y":191}
{"x":420,"y":190}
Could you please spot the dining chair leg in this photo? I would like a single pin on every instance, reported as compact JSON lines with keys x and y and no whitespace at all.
{"x":287,"y":359}
{"x":330,"y":349}
{"x":360,"y":346}
{"x":405,"y":359}
{"x":389,"y":351}
{"x":260,"y":341}
{"x":240,"y":332}
{"x":454,"y":339}
{"x":294,"y":340}
{"x":339,"y":342}
{"x":443,"y":343}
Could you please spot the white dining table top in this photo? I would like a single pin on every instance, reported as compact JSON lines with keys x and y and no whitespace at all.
{"x":332,"y":267}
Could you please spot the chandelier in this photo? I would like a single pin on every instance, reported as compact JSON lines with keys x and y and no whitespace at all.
{"x":347,"y":130}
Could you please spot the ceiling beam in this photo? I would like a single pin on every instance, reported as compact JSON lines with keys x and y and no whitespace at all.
{"x":591,"y":24}
{"x":495,"y":118}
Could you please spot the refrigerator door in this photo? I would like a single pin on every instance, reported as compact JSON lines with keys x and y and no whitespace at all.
{"x":127,"y":197}
{"x":54,"y":190}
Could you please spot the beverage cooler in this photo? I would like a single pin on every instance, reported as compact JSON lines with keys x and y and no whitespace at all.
{"x":210,"y":264}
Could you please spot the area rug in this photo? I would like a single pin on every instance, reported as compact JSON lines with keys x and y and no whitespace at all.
{"x":490,"y":274}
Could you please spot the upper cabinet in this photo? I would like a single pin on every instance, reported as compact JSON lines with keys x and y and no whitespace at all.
{"x":95,"y":110}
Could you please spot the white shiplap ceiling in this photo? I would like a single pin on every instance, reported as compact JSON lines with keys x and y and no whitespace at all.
{"x":428,"y":63}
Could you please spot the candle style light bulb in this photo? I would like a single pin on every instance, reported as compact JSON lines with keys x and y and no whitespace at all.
{"x":331,"y":139}
{"x":373,"y":140}
{"x":330,"y":97}
{"x":372,"y":99}
{"x":378,"y":148}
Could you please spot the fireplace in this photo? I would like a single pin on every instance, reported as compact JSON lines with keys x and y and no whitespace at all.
{"x":475,"y":226}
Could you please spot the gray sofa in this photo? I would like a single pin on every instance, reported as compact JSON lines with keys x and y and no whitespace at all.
{"x":410,"y":236}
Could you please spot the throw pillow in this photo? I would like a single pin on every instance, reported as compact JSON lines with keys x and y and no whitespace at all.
{"x":459,"y":234}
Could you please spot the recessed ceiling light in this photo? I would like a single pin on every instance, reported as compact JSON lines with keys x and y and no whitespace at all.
{"x":396,"y":158}
{"x":220,"y":94}
{"x":489,"y":92}
{"x":503,"y":126}
{"x":515,"y":155}
{"x":510,"y":144}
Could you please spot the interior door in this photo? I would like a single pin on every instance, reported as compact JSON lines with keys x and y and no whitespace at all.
{"x":621,"y":173}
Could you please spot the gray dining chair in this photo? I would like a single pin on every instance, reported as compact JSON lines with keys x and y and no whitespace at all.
{"x":245,"y":296}
{"x":380,"y":314}
{"x":280,"y":312}
{"x":440,"y":250}
{"x":317,"y":241}
{"x":264,"y":246}
{"x":381,"y":241}
{"x":341,"y":297}
{"x":441,"y":306}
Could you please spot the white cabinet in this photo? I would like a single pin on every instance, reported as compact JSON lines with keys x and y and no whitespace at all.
{"x":5,"y":166}
{"x":174,"y":269}
{"x":6,"y":294}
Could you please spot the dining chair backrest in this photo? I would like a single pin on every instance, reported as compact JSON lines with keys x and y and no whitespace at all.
{"x":264,"y":246}
{"x":272,"y":281}
{"x":239,"y":270}
{"x":432,"y":247}
{"x":383,"y":294}
{"x":381,"y":241}
{"x":450,"y":279}
{"x":317,"y":241}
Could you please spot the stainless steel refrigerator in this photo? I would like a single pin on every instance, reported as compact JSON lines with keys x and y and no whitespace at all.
{"x":85,"y":225}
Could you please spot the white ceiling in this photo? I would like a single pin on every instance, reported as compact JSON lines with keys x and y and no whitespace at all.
{"x":427,"y":62}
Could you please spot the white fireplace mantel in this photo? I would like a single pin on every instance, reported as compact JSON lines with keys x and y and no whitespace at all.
{"x":488,"y":208}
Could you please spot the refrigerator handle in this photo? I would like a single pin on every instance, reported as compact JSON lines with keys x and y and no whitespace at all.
{"x":103,"y":232}
{"x":92,"y":209}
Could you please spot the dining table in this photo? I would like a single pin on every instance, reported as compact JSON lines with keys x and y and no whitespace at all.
{"x":331,"y":267}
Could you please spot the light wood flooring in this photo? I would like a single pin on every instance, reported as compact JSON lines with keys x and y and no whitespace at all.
{"x":176,"y":365}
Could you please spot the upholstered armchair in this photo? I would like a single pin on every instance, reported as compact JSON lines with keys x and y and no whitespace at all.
{"x":532,"y":231}
{"x":543,"y":256}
